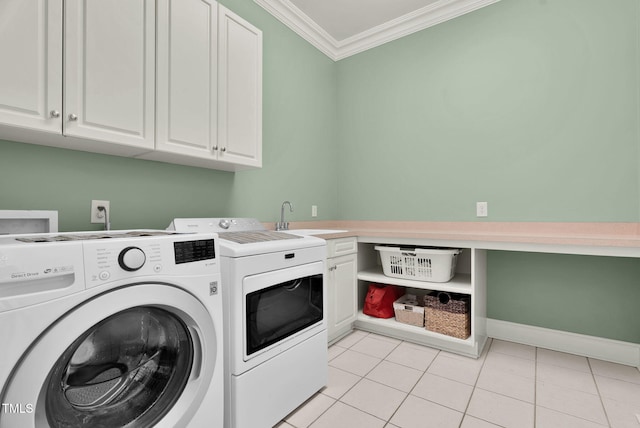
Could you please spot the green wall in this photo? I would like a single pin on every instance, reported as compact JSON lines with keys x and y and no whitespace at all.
{"x":597,"y":296}
{"x":530,"y":105}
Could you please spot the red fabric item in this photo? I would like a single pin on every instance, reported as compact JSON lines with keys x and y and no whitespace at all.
{"x":379,"y":300}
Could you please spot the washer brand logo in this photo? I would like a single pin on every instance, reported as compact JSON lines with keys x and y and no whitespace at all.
{"x":17,"y":408}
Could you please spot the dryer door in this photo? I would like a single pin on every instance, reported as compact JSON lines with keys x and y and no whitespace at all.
{"x":138,"y":356}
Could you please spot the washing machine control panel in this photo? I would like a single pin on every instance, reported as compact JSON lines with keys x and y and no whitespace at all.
{"x":112,"y":260}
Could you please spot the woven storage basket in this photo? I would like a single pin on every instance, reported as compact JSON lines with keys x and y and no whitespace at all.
{"x":408,"y":310}
{"x":448,"y":314}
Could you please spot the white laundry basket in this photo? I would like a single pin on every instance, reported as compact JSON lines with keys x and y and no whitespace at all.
{"x":423,"y":264}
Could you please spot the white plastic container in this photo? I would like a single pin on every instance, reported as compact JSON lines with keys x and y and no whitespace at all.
{"x":422,"y":264}
{"x":409,"y":310}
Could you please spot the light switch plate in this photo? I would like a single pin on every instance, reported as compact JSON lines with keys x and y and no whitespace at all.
{"x":482,"y":209}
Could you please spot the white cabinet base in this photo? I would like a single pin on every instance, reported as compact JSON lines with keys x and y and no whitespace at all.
{"x":341,"y":280}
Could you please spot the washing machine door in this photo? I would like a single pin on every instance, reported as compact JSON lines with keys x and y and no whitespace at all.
{"x":139,"y":356}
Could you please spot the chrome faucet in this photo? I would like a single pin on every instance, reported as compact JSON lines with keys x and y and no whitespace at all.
{"x":284,"y":225}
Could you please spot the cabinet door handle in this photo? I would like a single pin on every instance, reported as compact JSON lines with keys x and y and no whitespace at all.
{"x":332,"y":268}
{"x":224,"y":149}
{"x":73,"y":117}
{"x":215,"y":148}
{"x":55,"y":113}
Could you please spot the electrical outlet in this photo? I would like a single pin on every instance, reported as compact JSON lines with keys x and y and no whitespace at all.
{"x":98,"y":216}
{"x":482,"y":209}
{"x":314,"y":211}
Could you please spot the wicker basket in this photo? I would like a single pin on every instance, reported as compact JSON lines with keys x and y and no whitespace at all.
{"x":408,"y":310}
{"x":448,"y":314}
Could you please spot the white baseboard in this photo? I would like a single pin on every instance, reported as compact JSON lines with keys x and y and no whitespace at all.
{"x":589,"y":346}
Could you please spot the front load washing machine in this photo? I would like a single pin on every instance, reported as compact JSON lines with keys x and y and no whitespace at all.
{"x":114,"y":329}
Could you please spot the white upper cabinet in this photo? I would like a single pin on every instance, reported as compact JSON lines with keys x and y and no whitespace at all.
{"x":31,"y":70}
{"x":239,"y":90}
{"x":88,"y":84}
{"x":110,"y":76}
{"x":110,"y":71}
{"x":209,"y":87}
{"x":187,"y":78}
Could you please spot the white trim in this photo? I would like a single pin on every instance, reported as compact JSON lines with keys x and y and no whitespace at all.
{"x":589,"y":346}
{"x":428,"y":16}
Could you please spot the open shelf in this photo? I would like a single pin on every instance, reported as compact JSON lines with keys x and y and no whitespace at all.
{"x":469,"y":279}
{"x":461,"y":282}
{"x":421,"y":331}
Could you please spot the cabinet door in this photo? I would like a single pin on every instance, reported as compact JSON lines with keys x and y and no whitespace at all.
{"x":342,"y":281}
{"x":31,"y":70}
{"x":110,"y":71}
{"x":239,"y":90}
{"x":187,"y":77}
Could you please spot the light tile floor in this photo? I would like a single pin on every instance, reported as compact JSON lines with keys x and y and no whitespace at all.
{"x":376,"y":381}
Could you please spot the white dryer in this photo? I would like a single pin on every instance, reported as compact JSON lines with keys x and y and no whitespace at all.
{"x":115,"y":329}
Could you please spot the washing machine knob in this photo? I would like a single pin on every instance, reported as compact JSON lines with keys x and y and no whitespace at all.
{"x":131,"y":259}
{"x":224,"y":223}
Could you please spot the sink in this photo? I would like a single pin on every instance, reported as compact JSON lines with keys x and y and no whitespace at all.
{"x":307,"y":232}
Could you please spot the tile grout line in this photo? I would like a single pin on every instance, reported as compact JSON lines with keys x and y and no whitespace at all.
{"x":475,"y":386}
{"x":535,"y":386}
{"x":414,"y":386}
{"x":339,"y":400}
{"x":593,"y":376}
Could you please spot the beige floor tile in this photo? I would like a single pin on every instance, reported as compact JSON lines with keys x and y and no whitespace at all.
{"x":395,"y":375}
{"x":562,"y":359}
{"x":615,"y":371}
{"x":355,"y":362}
{"x":504,"y":382}
{"x":500,"y":410}
{"x":622,"y":415}
{"x":513,"y":349}
{"x":443,"y":391}
{"x":341,"y":415}
{"x":626,"y":392}
{"x":385,"y":338}
{"x":376,"y":381}
{"x":471,"y":422}
{"x":412,"y":355}
{"x":456,"y":368}
{"x":374,"y":346}
{"x":570,"y":401}
{"x":340,"y":382}
{"x":352,"y":338}
{"x":334,"y":351}
{"x":310,"y":411}
{"x":547,"y":418}
{"x":374,"y":398}
{"x":418,"y":413}
{"x":509,"y":364}
{"x":567,"y":378}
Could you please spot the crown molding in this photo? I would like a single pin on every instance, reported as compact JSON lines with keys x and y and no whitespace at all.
{"x":428,"y":16}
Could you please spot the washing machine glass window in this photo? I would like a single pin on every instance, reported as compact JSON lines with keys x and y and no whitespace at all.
{"x":131,"y":367}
